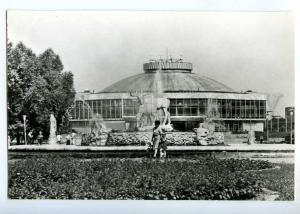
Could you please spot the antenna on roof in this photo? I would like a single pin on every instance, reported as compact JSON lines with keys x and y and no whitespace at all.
{"x":180,"y":59}
{"x":151,"y":58}
{"x":167,"y":56}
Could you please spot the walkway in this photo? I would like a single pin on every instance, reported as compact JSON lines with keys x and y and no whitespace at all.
{"x":229,"y":148}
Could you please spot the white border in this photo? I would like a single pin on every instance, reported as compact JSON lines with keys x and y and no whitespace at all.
{"x":47,"y":206}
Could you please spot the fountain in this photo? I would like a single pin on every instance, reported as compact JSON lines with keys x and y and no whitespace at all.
{"x":273,"y":100}
{"x":205,"y":133}
{"x":145,"y":116}
{"x":153,"y":106}
{"x":162,"y":104}
{"x":251,"y":137}
{"x":98,"y":133}
{"x":52,"y":137}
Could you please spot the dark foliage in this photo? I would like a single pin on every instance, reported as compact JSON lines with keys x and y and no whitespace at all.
{"x":37,"y":87}
{"x":202,"y":179}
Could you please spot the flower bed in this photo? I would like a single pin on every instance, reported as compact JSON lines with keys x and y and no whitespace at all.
{"x":144,"y":138}
{"x":69,"y":178}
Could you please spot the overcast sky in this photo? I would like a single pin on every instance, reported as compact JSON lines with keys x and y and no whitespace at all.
{"x":244,"y":50}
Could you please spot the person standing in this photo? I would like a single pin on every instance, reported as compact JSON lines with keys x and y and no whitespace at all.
{"x":163,"y":146}
{"x":58,"y":136}
{"x":261,"y":139}
{"x":68,"y":139}
{"x":30,"y":137}
{"x":156,"y":137}
{"x":73,"y":137}
{"x":40,"y":138}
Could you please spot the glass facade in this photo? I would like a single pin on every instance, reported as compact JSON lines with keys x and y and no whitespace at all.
{"x":221,"y":108}
{"x":107,"y":109}
{"x":131,"y":107}
{"x":218,"y":108}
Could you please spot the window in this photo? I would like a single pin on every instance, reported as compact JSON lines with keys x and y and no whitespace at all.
{"x":237,"y":108}
{"x":104,"y":108}
{"x":131,"y":107}
{"x":248,"y":109}
{"x":262,"y":109}
{"x":187,"y":107}
{"x":202,"y":106}
{"x":234,"y":108}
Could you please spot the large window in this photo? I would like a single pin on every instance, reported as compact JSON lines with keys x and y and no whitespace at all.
{"x":131,"y":107}
{"x":262,"y":109}
{"x":220,"y":108}
{"x":187,"y":107}
{"x":107,"y":109}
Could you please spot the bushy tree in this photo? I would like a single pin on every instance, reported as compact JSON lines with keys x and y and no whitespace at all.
{"x":37,"y":87}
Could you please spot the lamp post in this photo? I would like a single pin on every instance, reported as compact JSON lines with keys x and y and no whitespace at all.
{"x":268,"y":114}
{"x":286,"y":124}
{"x":291,"y":114}
{"x":271,"y":127}
{"x":24,"y":119}
{"x":278,"y":121}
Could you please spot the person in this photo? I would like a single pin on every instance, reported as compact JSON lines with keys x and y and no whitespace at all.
{"x":58,"y":138}
{"x":68,"y":139}
{"x":30,"y":137}
{"x":73,"y":137}
{"x":156,"y":137}
{"x":40,"y":137}
{"x":163,"y":146}
{"x":8,"y":140}
{"x":261,"y":139}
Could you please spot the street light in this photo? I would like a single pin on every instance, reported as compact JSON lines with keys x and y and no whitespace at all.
{"x":278,"y":121}
{"x":268,"y":114}
{"x":291,"y":114}
{"x":24,"y":119}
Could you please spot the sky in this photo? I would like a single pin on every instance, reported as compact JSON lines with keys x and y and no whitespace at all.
{"x":243,"y":50}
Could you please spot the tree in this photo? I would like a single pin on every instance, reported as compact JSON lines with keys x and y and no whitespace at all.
{"x":22,"y":67}
{"x":37,"y":87}
{"x":61,"y":92}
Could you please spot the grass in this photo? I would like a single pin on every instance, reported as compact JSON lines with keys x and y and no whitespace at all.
{"x":281,"y":181}
{"x":57,"y":177}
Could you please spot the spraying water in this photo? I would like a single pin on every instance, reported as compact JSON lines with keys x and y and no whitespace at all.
{"x":213,"y":115}
{"x":273,"y":100}
{"x":162,"y":103}
{"x":157,"y":86}
{"x":96,"y":120}
{"x":98,"y":131}
{"x":52,"y":137}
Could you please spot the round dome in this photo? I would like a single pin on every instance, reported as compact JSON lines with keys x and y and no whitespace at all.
{"x":170,"y":82}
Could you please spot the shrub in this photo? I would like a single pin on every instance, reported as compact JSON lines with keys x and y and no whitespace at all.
{"x":202,"y":179}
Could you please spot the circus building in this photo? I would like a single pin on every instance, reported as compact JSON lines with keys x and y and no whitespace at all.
{"x":192,"y":99}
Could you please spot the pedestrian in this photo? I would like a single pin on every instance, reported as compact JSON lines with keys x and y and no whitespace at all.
{"x":40,"y":137}
{"x":58,"y":138}
{"x":261,"y":138}
{"x":8,"y":140}
{"x":73,"y":137}
{"x":30,"y":137}
{"x":163,"y":146}
{"x":156,"y":137}
{"x":68,"y":139}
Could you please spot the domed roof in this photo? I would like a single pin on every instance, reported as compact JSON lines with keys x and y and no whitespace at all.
{"x":173,"y":75}
{"x":170,"y":82}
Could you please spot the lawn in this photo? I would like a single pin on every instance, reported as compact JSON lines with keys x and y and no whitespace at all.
{"x":57,"y":177}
